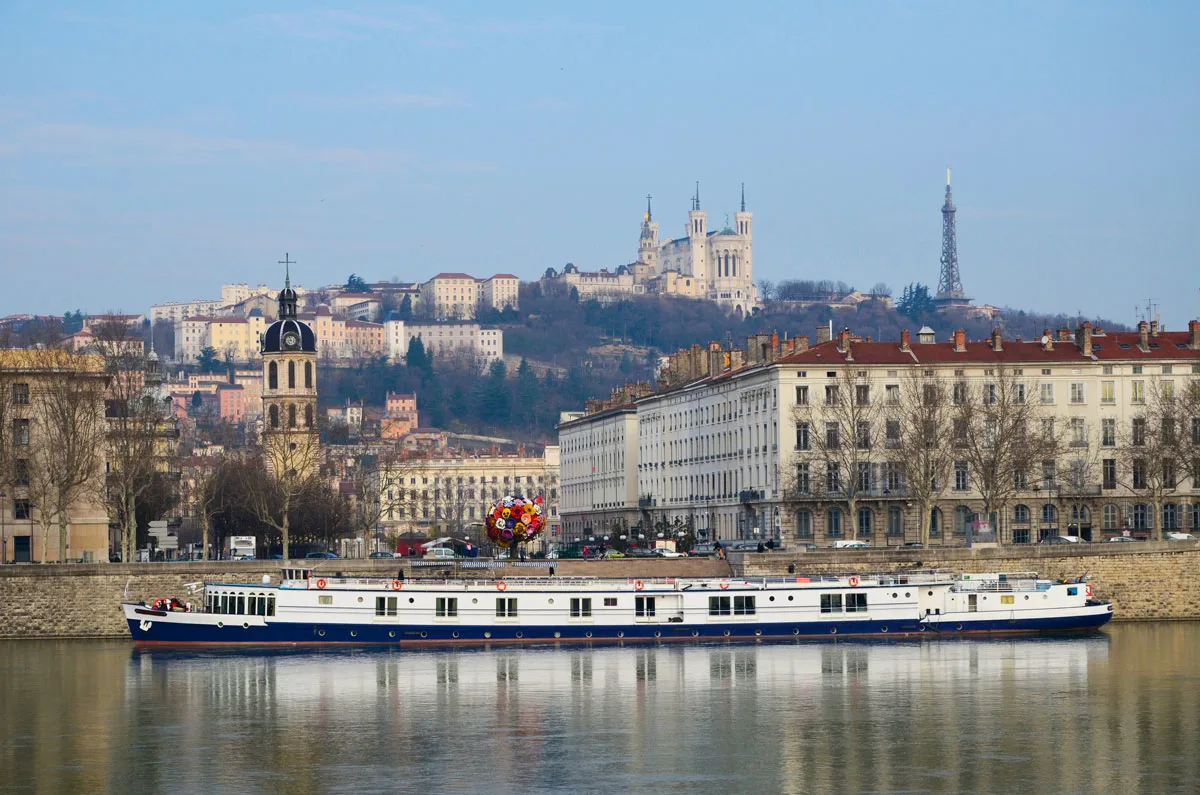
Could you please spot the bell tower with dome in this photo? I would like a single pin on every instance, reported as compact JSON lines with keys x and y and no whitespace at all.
{"x":289,"y":353}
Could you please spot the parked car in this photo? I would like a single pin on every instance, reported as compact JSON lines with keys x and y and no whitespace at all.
{"x":612,"y":553}
{"x":1179,"y":537}
{"x":703,"y":550}
{"x":1062,"y":540}
{"x":641,"y":552}
{"x":913,"y":545}
{"x":851,"y":543}
{"x":807,"y":546}
{"x":440,"y":553}
{"x":1120,"y":539}
{"x":663,"y":552}
{"x":382,"y":555}
{"x":321,"y":556}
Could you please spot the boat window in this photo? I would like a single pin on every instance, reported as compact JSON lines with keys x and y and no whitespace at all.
{"x":1006,"y":600}
{"x":610,"y":601}
{"x":325,"y":599}
{"x":718,"y":605}
{"x":252,"y":605}
{"x":643,"y":606}
{"x":506,"y":608}
{"x":1073,"y":591}
{"x":743,"y":605}
{"x":856,"y":603}
{"x":386,"y":605}
{"x":581,"y":608}
{"x":831,"y":603}
{"x":447,"y":607}
{"x":262,"y":604}
{"x":224,"y":603}
{"x":271,"y":605}
{"x":241,"y":604}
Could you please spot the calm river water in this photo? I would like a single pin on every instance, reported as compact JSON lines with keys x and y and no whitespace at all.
{"x":1112,"y":712}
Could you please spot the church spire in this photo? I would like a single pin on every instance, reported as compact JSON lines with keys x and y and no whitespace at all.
{"x":696,"y":200}
{"x":648,"y":216}
{"x":743,"y":197}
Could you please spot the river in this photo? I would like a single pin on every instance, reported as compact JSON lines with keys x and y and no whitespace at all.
{"x":1117,"y":711}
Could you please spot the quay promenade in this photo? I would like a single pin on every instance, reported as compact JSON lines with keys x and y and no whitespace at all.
{"x":1146,"y":580}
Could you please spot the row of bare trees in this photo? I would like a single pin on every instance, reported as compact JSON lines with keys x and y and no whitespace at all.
{"x":995,"y":440}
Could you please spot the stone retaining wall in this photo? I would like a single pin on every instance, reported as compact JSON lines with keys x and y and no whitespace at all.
{"x":84,"y":600}
{"x":1144,"y":580}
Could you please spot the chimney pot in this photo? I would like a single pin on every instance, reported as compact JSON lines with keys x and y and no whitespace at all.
{"x":1194,"y":334}
{"x":822,"y":334}
{"x":1153,"y":328}
{"x":960,"y":340}
{"x":905,"y":340}
{"x":1143,"y":335}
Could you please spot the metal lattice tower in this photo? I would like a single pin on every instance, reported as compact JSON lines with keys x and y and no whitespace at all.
{"x":950,"y":283}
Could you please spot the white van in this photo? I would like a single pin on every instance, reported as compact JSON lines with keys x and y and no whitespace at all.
{"x":439,"y":553}
{"x":851,"y":543}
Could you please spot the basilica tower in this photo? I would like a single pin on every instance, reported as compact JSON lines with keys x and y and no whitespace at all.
{"x":289,"y":353}
{"x":648,"y":244}
{"x":698,"y":234}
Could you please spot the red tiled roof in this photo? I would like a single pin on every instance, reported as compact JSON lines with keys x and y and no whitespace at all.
{"x":504,"y":276}
{"x":455,"y":276}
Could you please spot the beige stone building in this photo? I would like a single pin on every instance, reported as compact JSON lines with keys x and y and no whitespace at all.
{"x":457,"y":296}
{"x":30,"y":454}
{"x":752,"y":443}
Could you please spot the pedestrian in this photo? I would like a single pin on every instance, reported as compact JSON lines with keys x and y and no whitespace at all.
{"x":791,"y":568}
{"x":586,"y":552}
{"x":771,"y":544}
{"x":760,"y":547}
{"x":551,"y":571}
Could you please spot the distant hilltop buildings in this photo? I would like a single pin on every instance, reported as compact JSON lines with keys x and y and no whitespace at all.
{"x":708,"y":265}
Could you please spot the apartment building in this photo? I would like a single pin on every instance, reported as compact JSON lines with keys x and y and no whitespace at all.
{"x":450,"y":494}
{"x":808,"y":442}
{"x":444,"y":339}
{"x":456,"y":296}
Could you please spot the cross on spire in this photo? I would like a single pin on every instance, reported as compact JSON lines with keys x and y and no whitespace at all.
{"x":287,"y":262}
{"x":647,"y":206}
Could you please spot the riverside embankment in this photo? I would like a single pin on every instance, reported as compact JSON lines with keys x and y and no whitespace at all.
{"x":1146,"y":581}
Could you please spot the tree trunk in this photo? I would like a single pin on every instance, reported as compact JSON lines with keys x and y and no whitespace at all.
{"x":1156,"y":519}
{"x":923,"y":527}
{"x":45,"y":541}
{"x":62,"y":537}
{"x":283,"y":532}
{"x":129,"y":531}
{"x":204,"y":532}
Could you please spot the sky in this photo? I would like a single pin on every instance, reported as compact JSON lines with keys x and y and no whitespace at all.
{"x":153,"y":151}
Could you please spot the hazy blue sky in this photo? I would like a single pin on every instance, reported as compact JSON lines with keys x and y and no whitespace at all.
{"x":150,"y":152}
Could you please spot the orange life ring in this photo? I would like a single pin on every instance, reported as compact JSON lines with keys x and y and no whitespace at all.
{"x":397,"y":585}
{"x":724,"y":585}
{"x":501,"y":585}
{"x":638,"y":585}
{"x":853,"y":582}
{"x":1087,"y":589}
{"x":321,"y":583}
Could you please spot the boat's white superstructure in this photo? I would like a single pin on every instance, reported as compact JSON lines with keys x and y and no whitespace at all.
{"x":306,"y":607}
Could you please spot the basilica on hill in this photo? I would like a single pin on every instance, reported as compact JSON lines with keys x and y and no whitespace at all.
{"x":708,"y":265}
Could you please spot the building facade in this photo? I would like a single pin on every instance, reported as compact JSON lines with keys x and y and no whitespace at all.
{"x":457,"y":296}
{"x":808,"y":443}
{"x":289,"y":353}
{"x":444,"y":339}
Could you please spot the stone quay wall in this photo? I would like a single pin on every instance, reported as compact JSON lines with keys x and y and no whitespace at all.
{"x":84,"y":600}
{"x":1146,"y":580}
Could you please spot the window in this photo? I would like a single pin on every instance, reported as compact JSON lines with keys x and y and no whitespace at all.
{"x":1049,"y":474}
{"x":1047,"y":393}
{"x":743,"y":605}
{"x":1139,"y":431}
{"x":865,"y":519}
{"x":581,"y":608}
{"x":323,"y":599}
{"x":833,"y":436}
{"x":22,"y":509}
{"x":831,"y":603}
{"x":831,"y":395}
{"x":1018,"y":393}
{"x":895,"y":522}
{"x":1049,"y":515}
{"x":446,"y":607}
{"x":1170,"y":516}
{"x":1108,"y":392}
{"x":989,"y":394}
{"x":20,"y":432}
{"x":833,"y":477}
{"x":1137,"y":390}
{"x":291,"y":375}
{"x":506,"y":608}
{"x":1169,"y":479}
{"x":856,"y":603}
{"x":962,"y":479}
{"x":833,"y":523}
{"x":1108,"y":432}
{"x":960,"y":393}
{"x":1108,"y":469}
{"x":960,"y":432}
{"x":803,"y":442}
{"x":804,"y":524}
{"x":935,"y":522}
{"x":1021,"y":514}
{"x":862,"y":435}
{"x":610,"y":601}
{"x":892,"y":433}
{"x":802,"y":396}
{"x":1139,"y":473}
{"x":862,"y":395}
{"x":803,"y":479}
{"x":1168,"y":389}
{"x":292,"y":416}
{"x":643,"y":606}
{"x":719,"y":606}
{"x":20,"y":394}
{"x":1077,"y":392}
{"x":1196,"y":430}
{"x":1141,"y":517}
{"x":386,"y":605}
{"x":892,"y":394}
{"x":1078,"y":432}
{"x":273,"y":375}
{"x":21,"y":472}
{"x":1007,"y":600}
{"x":1108,"y":515}
{"x":962,"y":518}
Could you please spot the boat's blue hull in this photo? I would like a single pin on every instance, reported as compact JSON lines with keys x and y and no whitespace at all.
{"x":173,"y":633}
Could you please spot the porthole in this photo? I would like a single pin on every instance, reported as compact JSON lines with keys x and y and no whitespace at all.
{"x":833,"y":630}
{"x":790,"y":598}
{"x":770,"y":598}
{"x":454,"y":634}
{"x":321,"y":632}
{"x":906,"y":594}
{"x":550,"y":600}
{"x":558,"y":634}
{"x":1044,"y":596}
{"x":727,"y":633}
{"x":620,"y":634}
{"x":1026,"y":597}
{"x":587,"y":634}
{"x":931,"y":593}
{"x":695,"y":634}
{"x":220,"y":625}
{"x":424,"y":634}
{"x":520,"y":635}
{"x":487,"y":634}
{"x":474,"y":601}
{"x":757,"y":632}
{"x":958,"y":627}
{"x":245,"y":625}
{"x":796,"y":631}
{"x":354,"y":633}
{"x":411,"y":600}
{"x":922,"y":628}
{"x":895,"y":595}
{"x":360,"y":600}
{"x":658,"y":634}
{"x":392,"y":634}
{"x":883,"y":629}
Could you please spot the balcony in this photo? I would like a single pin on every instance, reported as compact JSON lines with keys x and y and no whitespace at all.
{"x":749,"y":495}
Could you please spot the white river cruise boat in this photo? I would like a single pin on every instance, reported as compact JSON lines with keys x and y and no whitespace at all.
{"x":307,"y":607}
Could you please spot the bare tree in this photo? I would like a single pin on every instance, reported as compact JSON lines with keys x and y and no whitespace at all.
{"x":291,"y":459}
{"x":1002,"y":436}
{"x":919,"y":431}
{"x":836,"y":444}
{"x":1080,"y":471}
{"x":139,"y":425}
{"x":380,"y":488}
{"x":10,"y":477}
{"x":1155,"y":449}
